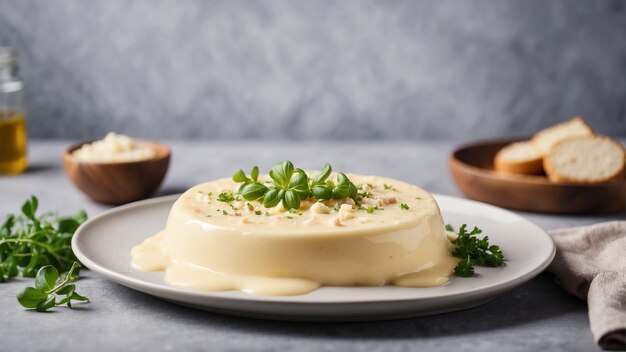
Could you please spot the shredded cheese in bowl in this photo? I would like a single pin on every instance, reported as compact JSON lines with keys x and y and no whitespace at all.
{"x":114,"y":148}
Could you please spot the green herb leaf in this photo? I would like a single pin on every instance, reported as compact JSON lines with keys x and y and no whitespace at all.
{"x":281,"y":173}
{"x":319,"y":179}
{"x":240,"y":176}
{"x":42,"y":297}
{"x":30,"y":207}
{"x":464,"y":268}
{"x":254,"y":174}
{"x":291,"y":186}
{"x":253,"y":191}
{"x":69,"y":289}
{"x":46,"y":277}
{"x":342,"y":189}
{"x":474,"y":251}
{"x":29,"y":242}
{"x":226,"y":197}
{"x":299,"y":183}
{"x":45,"y":305}
{"x":272,"y":197}
{"x":404,"y":206}
{"x":322,"y":192}
{"x":291,"y":200}
{"x":30,"y":297}
{"x":68,"y":225}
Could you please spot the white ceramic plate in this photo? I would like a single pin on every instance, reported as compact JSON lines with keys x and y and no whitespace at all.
{"x":103,"y":244}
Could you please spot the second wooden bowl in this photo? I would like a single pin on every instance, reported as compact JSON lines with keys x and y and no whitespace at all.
{"x":472,"y":170}
{"x":118,"y":182}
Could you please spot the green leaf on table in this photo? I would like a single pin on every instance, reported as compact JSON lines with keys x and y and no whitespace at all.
{"x":30,"y":297}
{"x":46,"y":277}
{"x":48,"y":286}
{"x":47,"y":304}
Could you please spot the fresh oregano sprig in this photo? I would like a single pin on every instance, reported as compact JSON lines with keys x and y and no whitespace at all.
{"x":48,"y":286}
{"x":474,"y":251}
{"x":292,"y":185}
{"x":29,"y":242}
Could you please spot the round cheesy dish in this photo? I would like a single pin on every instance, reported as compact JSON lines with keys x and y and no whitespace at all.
{"x":215,"y":240}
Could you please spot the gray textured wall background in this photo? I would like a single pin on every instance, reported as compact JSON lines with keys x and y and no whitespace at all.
{"x":317,"y":69}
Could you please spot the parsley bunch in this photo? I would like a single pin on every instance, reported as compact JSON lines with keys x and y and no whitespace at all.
{"x":29,"y":242}
{"x":292,"y":185}
{"x":474,"y":251}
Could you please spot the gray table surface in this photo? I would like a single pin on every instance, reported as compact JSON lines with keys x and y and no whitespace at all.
{"x":538,"y":315}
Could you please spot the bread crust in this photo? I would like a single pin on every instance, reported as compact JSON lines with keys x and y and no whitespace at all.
{"x":531,"y":166}
{"x":554,"y":175}
{"x":537,"y":140}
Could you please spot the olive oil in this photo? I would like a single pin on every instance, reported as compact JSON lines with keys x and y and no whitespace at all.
{"x":12,"y":118}
{"x":13,"y":142}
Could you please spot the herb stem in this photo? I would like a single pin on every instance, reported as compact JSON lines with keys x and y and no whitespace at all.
{"x":67,"y":280}
{"x":42,"y":245}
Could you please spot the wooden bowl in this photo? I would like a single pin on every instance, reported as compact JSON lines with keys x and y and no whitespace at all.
{"x":472,"y":170}
{"x":118,"y":182}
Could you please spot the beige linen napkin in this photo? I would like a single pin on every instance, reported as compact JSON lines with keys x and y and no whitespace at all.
{"x":590,"y":264}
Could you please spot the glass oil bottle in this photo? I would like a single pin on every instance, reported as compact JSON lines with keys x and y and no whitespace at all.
{"x":13,"y":139}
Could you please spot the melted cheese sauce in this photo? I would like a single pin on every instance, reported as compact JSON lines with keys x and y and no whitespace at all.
{"x":215,"y":245}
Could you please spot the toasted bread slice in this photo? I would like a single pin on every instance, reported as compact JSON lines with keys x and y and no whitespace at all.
{"x":519,"y":158}
{"x":586,"y":159}
{"x":545,"y":139}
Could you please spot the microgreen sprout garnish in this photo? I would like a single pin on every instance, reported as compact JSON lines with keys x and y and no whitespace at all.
{"x":258,"y":212}
{"x":404,"y":206}
{"x":49,"y":285}
{"x":292,"y":185}
{"x":474,"y":251}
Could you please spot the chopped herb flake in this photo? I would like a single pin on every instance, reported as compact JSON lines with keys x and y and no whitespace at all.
{"x":226,"y":197}
{"x":389,"y":187}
